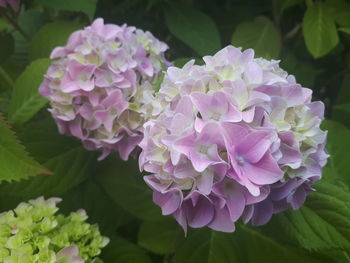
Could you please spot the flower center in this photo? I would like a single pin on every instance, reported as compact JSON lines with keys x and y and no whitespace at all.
{"x":216,"y":116}
{"x":203,"y":149}
{"x":240,"y":160}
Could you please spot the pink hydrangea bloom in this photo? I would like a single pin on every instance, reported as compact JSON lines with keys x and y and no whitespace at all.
{"x":69,"y":255}
{"x":100,"y":85}
{"x":238,"y":138}
{"x":15,"y":4}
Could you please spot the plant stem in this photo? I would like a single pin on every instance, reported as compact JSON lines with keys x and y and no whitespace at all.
{"x":6,"y":77}
{"x":15,"y":24}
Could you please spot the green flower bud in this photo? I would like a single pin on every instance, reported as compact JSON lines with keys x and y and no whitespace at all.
{"x":33,"y":233}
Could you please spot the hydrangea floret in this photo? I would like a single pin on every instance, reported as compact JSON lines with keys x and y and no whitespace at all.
{"x":34,"y":233}
{"x":101,"y":85}
{"x":238,"y":138}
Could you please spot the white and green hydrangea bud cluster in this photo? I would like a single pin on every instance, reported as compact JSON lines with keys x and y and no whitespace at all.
{"x":34,"y":233}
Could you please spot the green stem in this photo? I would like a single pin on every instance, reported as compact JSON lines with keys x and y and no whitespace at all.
{"x":6,"y":77}
{"x":14,"y":24}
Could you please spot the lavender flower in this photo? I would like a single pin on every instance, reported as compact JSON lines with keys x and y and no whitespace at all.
{"x":101,"y":86}
{"x":238,"y":138}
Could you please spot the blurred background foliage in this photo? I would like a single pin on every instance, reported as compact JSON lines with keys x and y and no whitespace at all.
{"x":310,"y":37}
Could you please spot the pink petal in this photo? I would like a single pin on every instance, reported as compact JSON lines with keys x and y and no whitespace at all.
{"x":169,"y":202}
{"x":266,"y":171}
{"x":253,"y":147}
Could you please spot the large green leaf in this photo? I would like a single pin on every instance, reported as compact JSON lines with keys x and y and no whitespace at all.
{"x":261,"y":35}
{"x":68,"y":161}
{"x":30,"y":21}
{"x":123,"y":182}
{"x":50,"y":36}
{"x":194,"y":28}
{"x":245,"y":245}
{"x":161,"y":237}
{"x":100,"y":208}
{"x":341,"y":113}
{"x":319,"y":30}
{"x":304,"y":71}
{"x":324,"y":221}
{"x":338,"y":144}
{"x":345,"y":107}
{"x":86,"y":6}
{"x":7,"y":46}
{"x":340,"y":11}
{"x":26,"y":100}
{"x":15,"y":162}
{"x":120,"y":250}
{"x":345,"y":30}
{"x":343,"y":95}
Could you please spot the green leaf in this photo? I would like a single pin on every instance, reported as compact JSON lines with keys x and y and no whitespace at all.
{"x":120,"y":250}
{"x":15,"y":162}
{"x":344,"y":107}
{"x":50,"y":36}
{"x":261,"y":35}
{"x":123,"y":182}
{"x":100,"y":208}
{"x":340,"y":11}
{"x":69,"y":162}
{"x":345,"y":30}
{"x":343,"y":95}
{"x":3,"y":24}
{"x":180,"y":62}
{"x":85,"y":6}
{"x":245,"y":245}
{"x":161,"y":237}
{"x":30,"y":21}
{"x":194,"y":28}
{"x":323,"y":222}
{"x":338,"y":163}
{"x":196,"y":248}
{"x":319,"y":30}
{"x":304,"y":71}
{"x":7,"y":46}
{"x":26,"y":100}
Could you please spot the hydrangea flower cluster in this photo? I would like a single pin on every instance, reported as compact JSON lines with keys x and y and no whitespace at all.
{"x":32,"y":233}
{"x":238,"y":138}
{"x":100,"y":86}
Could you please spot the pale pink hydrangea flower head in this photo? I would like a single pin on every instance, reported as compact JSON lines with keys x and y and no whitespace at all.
{"x":101,"y":85}
{"x":238,"y":139}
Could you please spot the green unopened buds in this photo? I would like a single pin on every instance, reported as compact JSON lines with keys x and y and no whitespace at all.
{"x":33,"y":233}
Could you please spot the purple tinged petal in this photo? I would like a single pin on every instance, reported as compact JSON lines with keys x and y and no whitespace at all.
{"x":180,"y":217}
{"x":254,"y":146}
{"x":266,"y":171}
{"x":222,"y":221}
{"x":247,"y":213}
{"x":199,"y":212}
{"x":262,"y":213}
{"x":58,"y":52}
{"x":127,"y":145}
{"x":75,"y":128}
{"x":169,"y":201}
{"x":298,"y":198}
{"x":253,"y":73}
{"x":205,"y":182}
{"x":251,"y":199}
